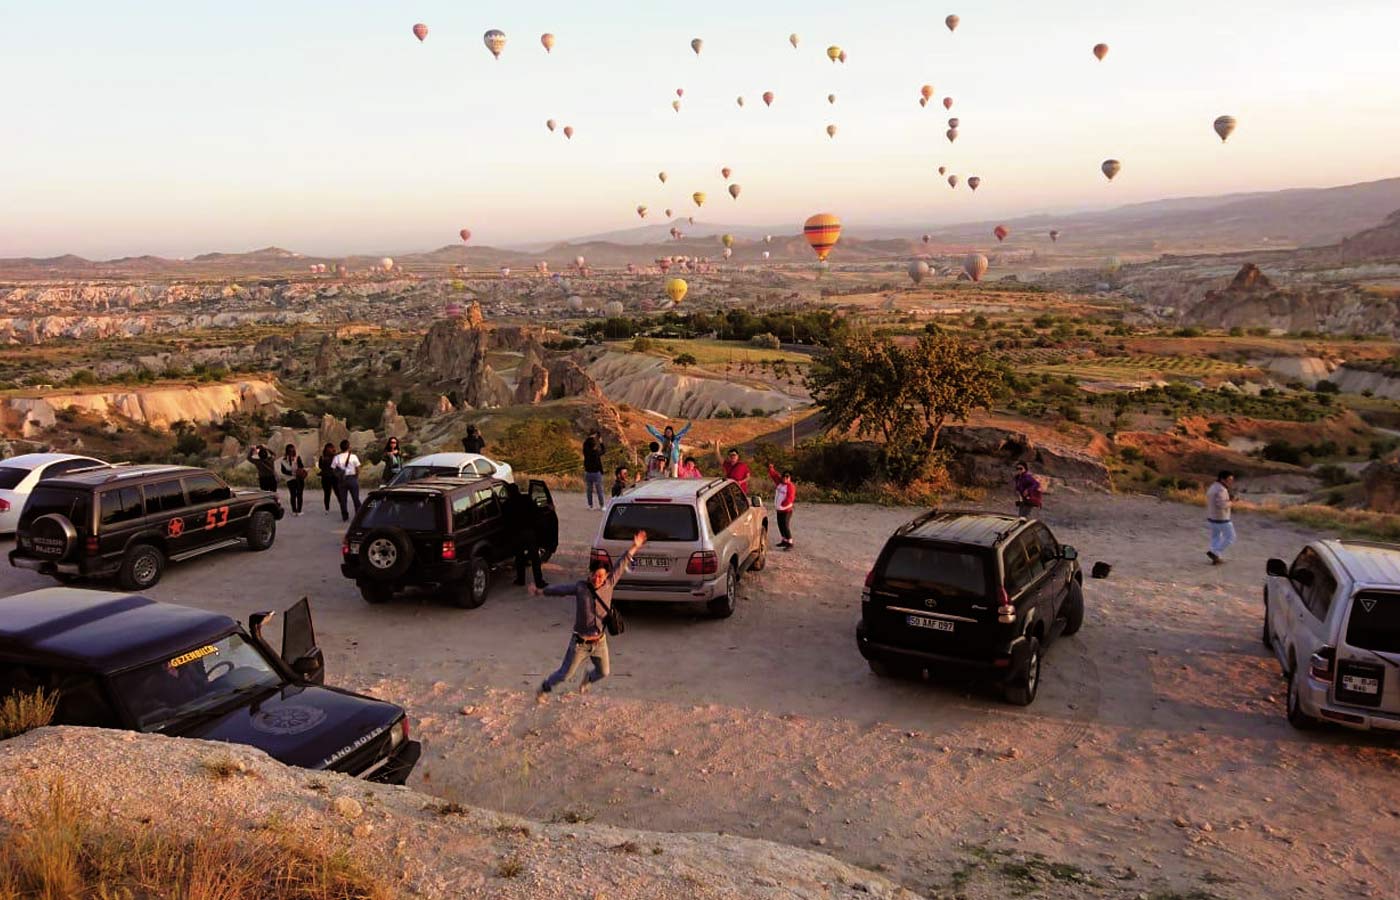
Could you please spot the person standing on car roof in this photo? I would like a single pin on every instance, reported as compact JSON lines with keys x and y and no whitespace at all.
{"x":1219,"y":499}
{"x":656,"y":462}
{"x":293,"y":472}
{"x":593,"y":451}
{"x":670,"y":445}
{"x":592,"y":604}
{"x":1028,"y":491}
{"x":263,"y":461}
{"x":784,"y":498}
{"x":473,"y":442}
{"x":347,"y":470}
{"x":325,"y":466}
{"x":735,"y":468}
{"x":520,"y":514}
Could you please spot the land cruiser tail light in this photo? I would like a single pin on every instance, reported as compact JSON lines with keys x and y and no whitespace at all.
{"x":869,"y":580}
{"x":597,"y":557}
{"x":1006,"y":613}
{"x":91,"y":545}
{"x":449,"y":550}
{"x":702,"y":562}
{"x":1323,"y":664}
{"x":4,"y":505}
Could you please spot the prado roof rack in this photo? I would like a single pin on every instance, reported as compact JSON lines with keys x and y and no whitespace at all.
{"x":708,"y":484}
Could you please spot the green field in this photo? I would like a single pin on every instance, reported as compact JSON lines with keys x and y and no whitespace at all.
{"x":1122,"y":367}
{"x":717,"y":353}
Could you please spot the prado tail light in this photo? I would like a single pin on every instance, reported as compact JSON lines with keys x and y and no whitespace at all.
{"x":449,"y":553}
{"x":1323,"y":664}
{"x":702,"y":562}
{"x":91,"y":546}
{"x":869,"y":580}
{"x":598,"y":557}
{"x":1006,"y":613}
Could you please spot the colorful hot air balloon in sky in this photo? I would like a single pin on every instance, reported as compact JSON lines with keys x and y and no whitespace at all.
{"x":831,"y":98}
{"x":952,"y":181}
{"x":822,"y":231}
{"x":676,"y":289}
{"x":1225,"y":126}
{"x":952,"y":23}
{"x":550,"y":124}
{"x":495,"y":41}
{"x":740,"y":101}
{"x":727,"y":240}
{"x":420,"y":31}
{"x":922,"y":103}
{"x":926,"y":92}
{"x":669,"y":212}
{"x":547,"y":40}
{"x":735,"y":190}
{"x":766,"y":254}
{"x":727,"y":253}
{"x":954,"y":122}
{"x":465,"y":234}
{"x":342,"y":270}
{"x":942,"y":170}
{"x":680,"y":92}
{"x":699,"y":198}
{"x":387,"y":264}
{"x":975,"y":266}
{"x":580,"y":262}
{"x":1054,"y":235}
{"x":725,"y":173}
{"x":569,"y":132}
{"x":793,"y":39}
{"x":1001,"y":231}
{"x":951,"y":134}
{"x":505,"y":271}
{"x":974,"y":182}
{"x":676,"y":105}
{"x":1100,"y":51}
{"x":918,"y":271}
{"x":833,"y":53}
{"x":642,"y":212}
{"x":947,"y":102}
{"x":662,"y":176}
{"x":927,"y":238}
{"x":842,"y":57}
{"x":831,"y":131}
{"x":767,"y":98}
{"x":1111,"y":167}
{"x":697,"y":45}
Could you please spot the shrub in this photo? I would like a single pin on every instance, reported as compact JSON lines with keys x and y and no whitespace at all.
{"x":643,"y":345}
{"x":685,"y":359}
{"x":1332,"y":475}
{"x":410,"y":405}
{"x":1327,"y":387}
{"x":765,"y":341}
{"x":541,"y":447}
{"x":1282,"y":451}
{"x":21,"y":712}
{"x":190,"y":443}
{"x":81,"y":378}
{"x":294,"y":418}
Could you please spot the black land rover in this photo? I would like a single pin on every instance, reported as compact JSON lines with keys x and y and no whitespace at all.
{"x":128,"y":521}
{"x":447,"y":533}
{"x":124,"y":661}
{"x":974,"y":591}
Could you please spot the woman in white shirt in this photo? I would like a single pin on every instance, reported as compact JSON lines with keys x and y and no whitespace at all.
{"x":347,"y":468}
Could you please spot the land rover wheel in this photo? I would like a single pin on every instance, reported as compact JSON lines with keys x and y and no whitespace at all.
{"x":1074,"y":609}
{"x":262,"y":530}
{"x":141,"y":568}
{"x":1024,"y":684}
{"x":1296,"y":717}
{"x":385,"y":554}
{"x":722,"y":607}
{"x":375,"y":593}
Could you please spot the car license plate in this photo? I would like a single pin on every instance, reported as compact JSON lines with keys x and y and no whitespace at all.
{"x":354,"y":548}
{"x":1359,"y":684}
{"x":931,"y":624}
{"x":651,"y":562}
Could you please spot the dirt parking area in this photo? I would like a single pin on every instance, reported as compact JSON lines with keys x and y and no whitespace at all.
{"x":1156,"y":762}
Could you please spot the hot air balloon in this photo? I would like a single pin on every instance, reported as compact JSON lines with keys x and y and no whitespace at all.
{"x":727,"y":240}
{"x":842,"y":57}
{"x":952,"y":134}
{"x":952,"y":181}
{"x":676,"y":289}
{"x":669,"y":213}
{"x":547,"y":40}
{"x":699,"y":198}
{"x":1225,"y":126}
{"x":927,"y":238}
{"x":575,"y":303}
{"x":664,"y":264}
{"x":342,"y":270}
{"x":831,"y":98}
{"x":1001,"y":231}
{"x":569,"y":132}
{"x":580,"y":262}
{"x":727,"y":253}
{"x":675,"y":233}
{"x":954,"y":122}
{"x":947,"y":102}
{"x":642,"y":211}
{"x":922,"y":103}
{"x":952,"y":23}
{"x":1111,"y":167}
{"x":662,"y":176}
{"x":1054,"y":235}
{"x":740,"y":101}
{"x":386,"y":264}
{"x":833,"y":53}
{"x":822,"y":231}
{"x":505,"y":271}
{"x":975,"y":266}
{"x":973,"y":182}
{"x":831,"y":131}
{"x":420,"y":31}
{"x":613,"y":308}
{"x":725,"y":173}
{"x":697,"y":45}
{"x":1100,"y":50}
{"x":495,"y":41}
{"x":680,"y":92}
{"x":313,"y":268}
{"x":734,"y":190}
{"x":766,"y":254}
{"x":676,"y":105}
{"x":926,"y":92}
{"x":767,"y":98}
{"x":768,"y":239}
{"x":942,"y":170}
{"x":793,"y":39}
{"x":465,"y":234}
{"x":918,"y":271}
{"x":550,"y":124}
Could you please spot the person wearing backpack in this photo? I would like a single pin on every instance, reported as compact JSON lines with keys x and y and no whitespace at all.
{"x":325,"y":466}
{"x":1029,"y":496}
{"x":347,"y":470}
{"x":293,"y":472}
{"x":594,"y":619}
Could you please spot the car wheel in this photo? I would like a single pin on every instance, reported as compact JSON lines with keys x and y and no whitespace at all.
{"x":141,"y":568}
{"x":1074,"y":609}
{"x":1267,"y":638}
{"x":1022,"y":687}
{"x":375,"y":593}
{"x":722,"y":607}
{"x":1296,"y":717}
{"x":385,"y":554}
{"x":761,"y":560}
{"x":881,"y":669}
{"x":471,"y":591}
{"x":262,"y":530}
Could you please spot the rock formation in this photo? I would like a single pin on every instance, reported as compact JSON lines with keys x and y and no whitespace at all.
{"x":454,"y":351}
{"x":1381,"y":242}
{"x":391,"y":423}
{"x":1381,"y":481}
{"x":533,"y":386}
{"x":983,"y":455}
{"x":158,"y":407}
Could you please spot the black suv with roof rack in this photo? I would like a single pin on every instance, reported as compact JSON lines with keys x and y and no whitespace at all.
{"x":974,"y":591}
{"x":129,"y":521}
{"x":124,"y":661}
{"x":444,"y":533}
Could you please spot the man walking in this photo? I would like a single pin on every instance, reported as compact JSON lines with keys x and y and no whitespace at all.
{"x":1222,"y":529}
{"x":593,"y":451}
{"x":592,"y":603}
{"x":784,"y":498}
{"x":347,"y":470}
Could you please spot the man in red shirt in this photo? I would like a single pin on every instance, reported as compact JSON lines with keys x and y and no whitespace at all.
{"x":735,"y":468}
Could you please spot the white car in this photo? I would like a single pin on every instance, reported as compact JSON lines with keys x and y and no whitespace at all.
{"x":19,"y":475}
{"x":453,"y":465}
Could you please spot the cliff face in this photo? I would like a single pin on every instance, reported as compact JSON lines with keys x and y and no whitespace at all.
{"x":158,"y":407}
{"x":1381,"y":242}
{"x":455,"y":352}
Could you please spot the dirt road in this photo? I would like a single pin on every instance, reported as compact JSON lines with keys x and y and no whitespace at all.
{"x":1156,"y":761}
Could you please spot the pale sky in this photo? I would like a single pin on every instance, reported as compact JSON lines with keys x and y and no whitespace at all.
{"x":324,"y":126}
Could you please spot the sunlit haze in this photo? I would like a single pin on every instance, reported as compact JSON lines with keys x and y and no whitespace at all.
{"x":326,"y":127}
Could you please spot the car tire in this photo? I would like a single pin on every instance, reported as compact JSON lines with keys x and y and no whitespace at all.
{"x":881,"y":669}
{"x":723,"y":606}
{"x":1021,"y":690}
{"x":386,"y":554}
{"x":262,"y":530}
{"x":470,"y":592}
{"x":375,"y":593}
{"x":1074,"y":609}
{"x":1267,"y":638}
{"x":141,"y":567}
{"x":1296,"y":717}
{"x":760,"y":562}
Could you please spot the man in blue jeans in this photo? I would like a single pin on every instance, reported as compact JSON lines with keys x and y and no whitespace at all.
{"x":592,"y":602}
{"x":1218,"y":502}
{"x":593,"y":451}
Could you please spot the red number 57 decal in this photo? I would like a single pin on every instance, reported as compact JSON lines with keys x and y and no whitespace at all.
{"x":216,"y":518}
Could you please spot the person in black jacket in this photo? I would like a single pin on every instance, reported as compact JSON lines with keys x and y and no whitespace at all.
{"x":593,"y":451}
{"x":520,"y":514}
{"x":330,"y":481}
{"x":473,"y":442}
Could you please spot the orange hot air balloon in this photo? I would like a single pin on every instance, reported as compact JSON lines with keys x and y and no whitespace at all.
{"x":465,"y":234}
{"x":662,"y":176}
{"x":973,"y":182}
{"x":822,"y":231}
{"x":551,"y":124}
{"x":975,"y":266}
{"x":767,"y":98}
{"x":1100,"y":50}
{"x":947,"y":102}
{"x":569,"y":132}
{"x":926,"y":92}
{"x":1001,"y":231}
{"x":698,"y":197}
{"x":547,"y":40}
{"x":734,"y":191}
{"x":833,"y":53}
{"x":420,"y":31}
{"x":952,"y":181}
{"x":952,"y":134}
{"x":725,"y":172}
{"x":952,"y":23}
{"x":495,"y":41}
{"x":1111,"y":167}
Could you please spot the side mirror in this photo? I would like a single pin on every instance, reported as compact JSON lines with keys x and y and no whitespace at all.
{"x":310,"y":668}
{"x":1276,"y":568}
{"x":1068,"y":552}
{"x":257,"y":620}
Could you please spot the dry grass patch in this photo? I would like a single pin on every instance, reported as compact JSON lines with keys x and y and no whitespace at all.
{"x":25,"y":712}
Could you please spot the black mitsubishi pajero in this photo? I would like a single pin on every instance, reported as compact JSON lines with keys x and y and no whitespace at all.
{"x":970,"y":591}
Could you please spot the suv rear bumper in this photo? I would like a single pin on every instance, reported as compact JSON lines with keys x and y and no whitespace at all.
{"x":418,"y":573}
{"x":1313,"y":698}
{"x":670,"y":591}
{"x":996,"y":667}
{"x":53,"y":567}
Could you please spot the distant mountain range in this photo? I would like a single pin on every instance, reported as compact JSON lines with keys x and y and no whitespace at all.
{"x":1272,"y":220}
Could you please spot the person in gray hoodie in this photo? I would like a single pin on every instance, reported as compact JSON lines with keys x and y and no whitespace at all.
{"x":592,"y":603}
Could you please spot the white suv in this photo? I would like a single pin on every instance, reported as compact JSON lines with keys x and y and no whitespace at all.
{"x":1333,"y":620}
{"x":701,"y":537}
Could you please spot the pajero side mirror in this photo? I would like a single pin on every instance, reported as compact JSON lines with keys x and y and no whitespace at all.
{"x":1068,"y":552}
{"x":1276,"y":568}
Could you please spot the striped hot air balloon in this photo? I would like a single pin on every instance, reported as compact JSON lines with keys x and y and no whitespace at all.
{"x":822,"y":231}
{"x":495,"y":41}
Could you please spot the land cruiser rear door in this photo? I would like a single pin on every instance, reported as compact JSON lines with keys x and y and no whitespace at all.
{"x":933,"y":596}
{"x":1316,"y":586}
{"x":1368,"y":652}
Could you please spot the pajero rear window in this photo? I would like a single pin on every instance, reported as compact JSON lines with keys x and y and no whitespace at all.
{"x":1375,"y":622}
{"x":661,"y":521}
{"x":942,"y":571}
{"x":74,"y":503}
{"x":407,"y":511}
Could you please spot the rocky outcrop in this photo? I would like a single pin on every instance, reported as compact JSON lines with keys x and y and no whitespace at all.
{"x":983,"y":455}
{"x":158,"y":407}
{"x":1381,"y":242}
{"x":327,"y":354}
{"x":1249,"y":278}
{"x":567,"y":378}
{"x":533,"y":386}
{"x":646,"y":383}
{"x":1381,"y":482}
{"x":332,"y":431}
{"x":455,"y":351}
{"x":1354,"y":380}
{"x":443,"y":407}
{"x":391,"y":423}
